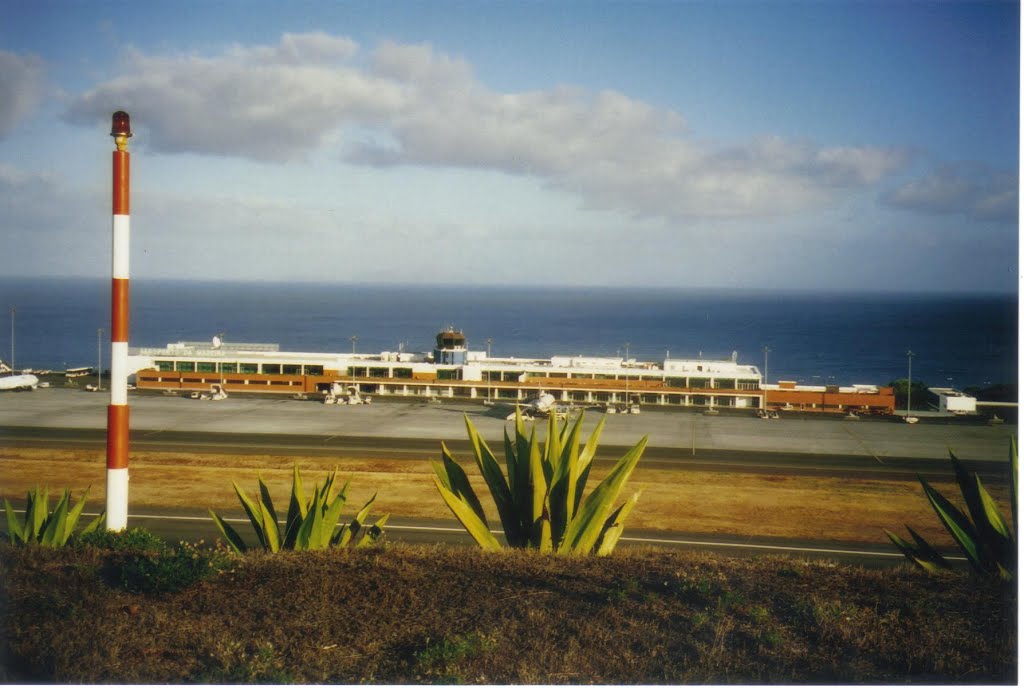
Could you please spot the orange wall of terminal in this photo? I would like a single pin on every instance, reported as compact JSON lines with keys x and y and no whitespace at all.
{"x":883,"y":401}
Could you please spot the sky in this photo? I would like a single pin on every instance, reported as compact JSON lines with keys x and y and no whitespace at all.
{"x":819,"y":146}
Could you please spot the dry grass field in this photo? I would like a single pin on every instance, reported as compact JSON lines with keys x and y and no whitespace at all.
{"x":737,"y":504}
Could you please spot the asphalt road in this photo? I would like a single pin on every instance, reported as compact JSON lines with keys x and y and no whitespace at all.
{"x":177,"y":524}
{"x":720,"y":461}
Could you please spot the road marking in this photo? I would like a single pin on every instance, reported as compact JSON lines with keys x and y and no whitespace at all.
{"x":662,"y":541}
{"x":758,"y":546}
{"x":863,"y":444}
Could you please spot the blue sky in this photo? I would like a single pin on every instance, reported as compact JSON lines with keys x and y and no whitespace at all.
{"x":767,"y":145}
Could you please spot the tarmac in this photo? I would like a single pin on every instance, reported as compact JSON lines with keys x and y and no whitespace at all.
{"x":880,"y":437}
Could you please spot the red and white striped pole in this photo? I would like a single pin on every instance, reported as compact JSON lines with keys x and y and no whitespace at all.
{"x":117,"y":412}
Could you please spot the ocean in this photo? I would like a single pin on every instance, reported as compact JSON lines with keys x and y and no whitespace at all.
{"x":840,"y":339}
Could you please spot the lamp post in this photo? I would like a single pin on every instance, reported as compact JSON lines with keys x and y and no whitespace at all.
{"x":99,"y":360}
{"x":626,"y":346}
{"x":910,"y":357}
{"x":487,"y":375}
{"x":353,"y":339}
{"x":764,"y":389}
{"x":117,"y":411}
{"x":13,"y":311}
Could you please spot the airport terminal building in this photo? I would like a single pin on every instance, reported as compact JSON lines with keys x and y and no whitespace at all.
{"x":451,"y":370}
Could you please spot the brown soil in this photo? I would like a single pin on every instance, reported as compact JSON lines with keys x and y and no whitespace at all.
{"x":408,"y":614}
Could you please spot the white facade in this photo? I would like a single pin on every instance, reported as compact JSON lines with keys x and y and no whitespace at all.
{"x":953,"y":401}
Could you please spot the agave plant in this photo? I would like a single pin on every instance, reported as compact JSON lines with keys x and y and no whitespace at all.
{"x":43,"y":527}
{"x":540,"y":502}
{"x":310,"y":524}
{"x":984,"y":537}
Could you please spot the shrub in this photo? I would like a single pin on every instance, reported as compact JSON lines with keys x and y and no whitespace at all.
{"x":134,"y":539}
{"x":541,"y":503}
{"x":43,"y":527}
{"x":310,"y":525}
{"x":168,"y":570}
{"x":985,"y":539}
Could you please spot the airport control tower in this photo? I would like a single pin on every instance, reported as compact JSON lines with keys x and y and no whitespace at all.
{"x":451,"y":347}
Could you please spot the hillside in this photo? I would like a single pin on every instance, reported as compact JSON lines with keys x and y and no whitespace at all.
{"x":402,"y":613}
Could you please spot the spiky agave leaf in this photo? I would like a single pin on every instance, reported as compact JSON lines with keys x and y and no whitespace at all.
{"x":332,"y":513}
{"x":234,"y":540}
{"x":540,"y":514}
{"x":956,"y":523}
{"x":518,"y":465}
{"x":993,"y":536}
{"x":496,"y":482}
{"x":455,"y":479}
{"x":53,"y":529}
{"x":297,"y":507}
{"x":73,"y":515}
{"x":469,"y":519}
{"x":615,"y":525}
{"x":254,"y":513}
{"x":95,"y":524}
{"x":15,"y":526}
{"x":344,"y":533}
{"x":585,"y":528}
{"x":552,"y":450}
{"x":373,"y":532}
{"x":583,"y":464}
{"x":37,"y":510}
{"x":923,"y":554}
{"x":571,"y":464}
{"x":560,"y":495}
{"x":311,"y":527}
{"x":271,"y":530}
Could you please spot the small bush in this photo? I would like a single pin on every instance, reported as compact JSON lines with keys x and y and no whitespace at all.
{"x":133,"y":539}
{"x":443,"y":660}
{"x":168,"y":570}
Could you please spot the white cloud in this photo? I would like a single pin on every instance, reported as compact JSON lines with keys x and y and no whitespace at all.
{"x":21,"y":88}
{"x":972,"y":190}
{"x":424,"y":108}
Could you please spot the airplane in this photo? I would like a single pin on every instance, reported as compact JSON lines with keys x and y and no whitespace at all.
{"x":18,"y":383}
{"x":543,"y":405}
{"x":340,"y":393}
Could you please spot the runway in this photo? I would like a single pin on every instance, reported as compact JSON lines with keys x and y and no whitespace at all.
{"x":410,"y":429}
{"x":718,"y":461}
